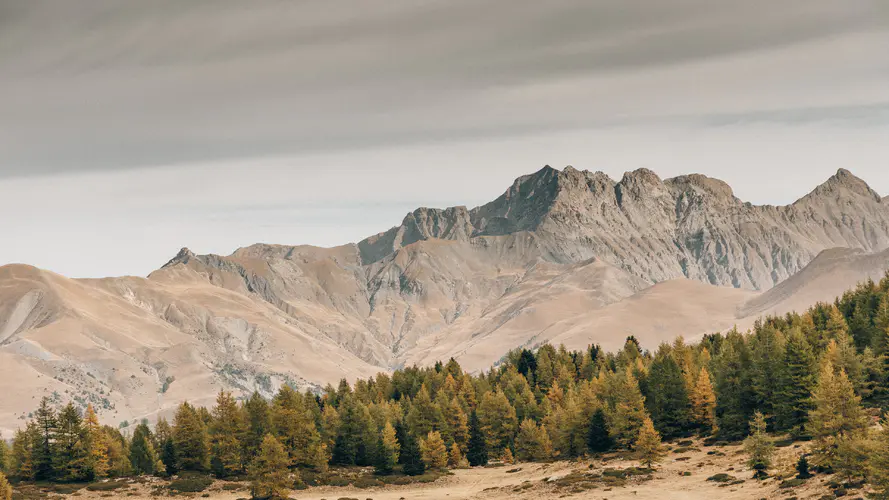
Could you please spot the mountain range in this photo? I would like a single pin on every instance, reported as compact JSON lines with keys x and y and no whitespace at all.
{"x":563,"y":256}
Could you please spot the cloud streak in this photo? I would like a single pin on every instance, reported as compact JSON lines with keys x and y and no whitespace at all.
{"x":105,"y":84}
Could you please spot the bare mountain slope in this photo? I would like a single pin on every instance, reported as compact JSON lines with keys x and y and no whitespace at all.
{"x":824,"y":279}
{"x":562,"y":256}
{"x":134,"y":347}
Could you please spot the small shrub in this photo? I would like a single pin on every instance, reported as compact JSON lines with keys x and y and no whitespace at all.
{"x":191,"y":483}
{"x":721,"y":478}
{"x":339,"y":481}
{"x":367,"y":482}
{"x":792,"y":483}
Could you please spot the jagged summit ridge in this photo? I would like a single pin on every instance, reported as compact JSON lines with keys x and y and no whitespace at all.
{"x":688,"y":226}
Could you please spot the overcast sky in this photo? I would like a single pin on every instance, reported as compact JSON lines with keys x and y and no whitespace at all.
{"x":129,"y":129}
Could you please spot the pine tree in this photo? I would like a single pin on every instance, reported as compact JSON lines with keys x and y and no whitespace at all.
{"x":225,"y":436}
{"x":434,"y":451}
{"x":759,"y":447}
{"x":666,"y":396}
{"x":837,"y":413}
{"x":795,"y":385}
{"x":357,"y":435}
{"x":598,"y":438}
{"x":44,"y":450}
{"x":498,"y":421}
{"x":71,"y":457}
{"x":424,"y":416}
{"x":648,"y":445}
{"x":477,"y":453}
{"x":734,"y":395}
{"x":387,"y":451}
{"x":269,"y":474}
{"x":628,"y":414}
{"x":190,"y":440}
{"x":98,"y":444}
{"x":802,"y":468}
{"x":143,"y":457}
{"x":411,"y":457}
{"x":5,"y":488}
{"x":767,"y":368}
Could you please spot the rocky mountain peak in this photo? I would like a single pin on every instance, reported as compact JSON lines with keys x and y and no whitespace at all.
{"x":702,"y":189}
{"x":843,"y":183}
{"x":183,"y":257}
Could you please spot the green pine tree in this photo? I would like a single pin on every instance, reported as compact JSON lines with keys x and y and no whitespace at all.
{"x":598,"y":438}
{"x":666,"y":395}
{"x":143,"y":456}
{"x":477,"y":453}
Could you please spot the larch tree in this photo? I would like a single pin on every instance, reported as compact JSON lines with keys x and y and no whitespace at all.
{"x":456,"y":460}
{"x":22,"y":459}
{"x":703,"y":403}
{"x":226,"y":431}
{"x":648,"y":446}
{"x":190,"y":439}
{"x":759,"y":447}
{"x":270,"y":477}
{"x":387,"y":453}
{"x":163,"y":444}
{"x":532,"y":442}
{"x":434,"y":451}
{"x":626,"y":417}
{"x":878,"y":465}
{"x":837,"y":413}
{"x":5,"y":488}
{"x":97,"y":444}
{"x":498,"y":421}
{"x":258,"y":423}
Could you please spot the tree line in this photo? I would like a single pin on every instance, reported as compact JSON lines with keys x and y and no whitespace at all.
{"x":808,"y":375}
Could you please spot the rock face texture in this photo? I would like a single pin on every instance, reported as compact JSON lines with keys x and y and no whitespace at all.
{"x":690,"y":226}
{"x":562,"y":256}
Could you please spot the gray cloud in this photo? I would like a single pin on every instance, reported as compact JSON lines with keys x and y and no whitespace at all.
{"x":98,"y":84}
